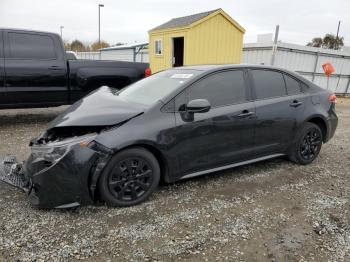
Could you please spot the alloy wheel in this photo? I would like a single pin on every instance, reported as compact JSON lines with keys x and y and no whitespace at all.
{"x":130,"y":179}
{"x":310,"y":144}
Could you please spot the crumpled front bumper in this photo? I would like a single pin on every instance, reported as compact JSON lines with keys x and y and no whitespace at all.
{"x":65,"y":183}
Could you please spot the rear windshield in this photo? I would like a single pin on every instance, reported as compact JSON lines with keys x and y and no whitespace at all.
{"x":153,"y":88}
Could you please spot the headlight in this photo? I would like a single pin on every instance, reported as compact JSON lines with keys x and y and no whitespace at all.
{"x":53,"y":152}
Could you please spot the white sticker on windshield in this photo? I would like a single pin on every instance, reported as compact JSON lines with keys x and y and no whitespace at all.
{"x":181,"y":76}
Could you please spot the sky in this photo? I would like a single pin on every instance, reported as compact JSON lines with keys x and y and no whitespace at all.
{"x":129,"y":21}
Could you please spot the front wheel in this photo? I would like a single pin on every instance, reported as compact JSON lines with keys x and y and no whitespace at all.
{"x":307,"y":145}
{"x":129,"y":178}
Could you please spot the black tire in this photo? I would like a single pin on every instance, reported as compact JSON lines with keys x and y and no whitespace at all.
{"x":130,"y":177}
{"x":307,"y":144}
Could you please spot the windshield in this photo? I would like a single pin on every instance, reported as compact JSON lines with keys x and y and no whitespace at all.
{"x":153,"y":88}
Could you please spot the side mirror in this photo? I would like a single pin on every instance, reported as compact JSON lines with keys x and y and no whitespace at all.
{"x":198,"y":106}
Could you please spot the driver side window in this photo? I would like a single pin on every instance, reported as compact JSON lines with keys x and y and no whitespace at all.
{"x":220,"y":89}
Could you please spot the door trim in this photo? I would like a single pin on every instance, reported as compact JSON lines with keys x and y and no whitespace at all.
{"x":199,"y":173}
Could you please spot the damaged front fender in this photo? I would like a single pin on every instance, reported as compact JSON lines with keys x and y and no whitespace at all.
{"x":65,"y":182}
{"x":71,"y":180}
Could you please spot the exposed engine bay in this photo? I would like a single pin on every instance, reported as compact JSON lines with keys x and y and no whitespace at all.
{"x":58,"y":134}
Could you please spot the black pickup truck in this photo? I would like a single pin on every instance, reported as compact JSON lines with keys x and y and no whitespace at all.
{"x":34,"y":71}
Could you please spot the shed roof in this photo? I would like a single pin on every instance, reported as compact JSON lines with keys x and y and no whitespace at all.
{"x":184,"y":21}
{"x":191,"y":19}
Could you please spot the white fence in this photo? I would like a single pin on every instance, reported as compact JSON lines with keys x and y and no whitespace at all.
{"x":305,"y":60}
{"x":88,"y":55}
{"x":120,"y":55}
{"x":125,"y":55}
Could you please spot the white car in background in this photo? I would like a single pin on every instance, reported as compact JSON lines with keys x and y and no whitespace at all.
{"x":70,"y":55}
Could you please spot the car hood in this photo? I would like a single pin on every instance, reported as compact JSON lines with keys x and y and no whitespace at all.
{"x":100,"y":108}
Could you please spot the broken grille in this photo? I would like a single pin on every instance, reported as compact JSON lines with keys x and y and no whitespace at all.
{"x":11,"y":172}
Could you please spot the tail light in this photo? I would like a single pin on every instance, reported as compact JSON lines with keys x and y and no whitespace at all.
{"x":148,"y":72}
{"x":332,"y":98}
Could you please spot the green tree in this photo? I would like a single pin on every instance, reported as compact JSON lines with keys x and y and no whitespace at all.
{"x":315,"y":42}
{"x":95,"y":46}
{"x":329,"y":41}
{"x":77,"y":46}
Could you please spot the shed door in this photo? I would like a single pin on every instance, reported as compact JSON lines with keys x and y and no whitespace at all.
{"x":178,"y":51}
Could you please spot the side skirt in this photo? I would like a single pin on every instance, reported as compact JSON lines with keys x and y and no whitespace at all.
{"x":199,"y":173}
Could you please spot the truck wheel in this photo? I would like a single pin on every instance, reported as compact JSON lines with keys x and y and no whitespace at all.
{"x":307,"y":144}
{"x":129,"y":178}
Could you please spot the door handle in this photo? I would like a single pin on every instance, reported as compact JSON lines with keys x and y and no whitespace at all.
{"x":245,"y":113}
{"x":296,"y":103}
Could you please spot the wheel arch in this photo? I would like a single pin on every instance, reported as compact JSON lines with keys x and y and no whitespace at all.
{"x":153,"y":149}
{"x":321,"y":122}
{"x":156,"y":152}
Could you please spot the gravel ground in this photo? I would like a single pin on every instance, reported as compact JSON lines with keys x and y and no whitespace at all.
{"x":269,"y":211}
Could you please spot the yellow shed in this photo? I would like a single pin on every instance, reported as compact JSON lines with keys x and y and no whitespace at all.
{"x":211,"y":37}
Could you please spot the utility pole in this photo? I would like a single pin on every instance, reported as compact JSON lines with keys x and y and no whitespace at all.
{"x":61,"y":28}
{"x":99,"y":24}
{"x":274,"y":47}
{"x":336,"y":46}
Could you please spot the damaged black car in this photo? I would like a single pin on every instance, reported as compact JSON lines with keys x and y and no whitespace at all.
{"x":117,"y":145}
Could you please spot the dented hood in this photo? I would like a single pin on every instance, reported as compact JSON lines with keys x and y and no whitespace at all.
{"x":100,"y":108}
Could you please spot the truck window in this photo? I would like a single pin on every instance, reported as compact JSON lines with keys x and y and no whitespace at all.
{"x":31,"y":46}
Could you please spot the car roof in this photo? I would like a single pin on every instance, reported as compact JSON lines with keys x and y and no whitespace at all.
{"x":204,"y":70}
{"x":226,"y":66}
{"x":217,"y":67}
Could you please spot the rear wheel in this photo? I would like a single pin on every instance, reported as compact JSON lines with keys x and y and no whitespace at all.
{"x":307,"y":145}
{"x":130,"y":178}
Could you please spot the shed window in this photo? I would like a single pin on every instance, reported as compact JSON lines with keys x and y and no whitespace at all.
{"x":158,"y":47}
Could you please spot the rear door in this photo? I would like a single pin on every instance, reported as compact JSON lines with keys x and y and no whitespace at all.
{"x":275,"y":112}
{"x":222,"y":136}
{"x":298,"y":97}
{"x":2,"y":72}
{"x":35,"y":69}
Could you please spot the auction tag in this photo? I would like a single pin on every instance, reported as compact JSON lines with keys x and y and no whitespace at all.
{"x":181,"y":76}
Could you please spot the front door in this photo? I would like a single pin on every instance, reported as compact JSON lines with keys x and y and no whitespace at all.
{"x":36,"y":71}
{"x":178,"y":51}
{"x":222,"y":136}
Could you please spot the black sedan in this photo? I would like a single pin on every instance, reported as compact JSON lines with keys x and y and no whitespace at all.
{"x":116,"y":145}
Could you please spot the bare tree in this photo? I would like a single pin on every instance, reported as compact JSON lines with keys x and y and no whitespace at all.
{"x":95,"y":46}
{"x":77,"y":46}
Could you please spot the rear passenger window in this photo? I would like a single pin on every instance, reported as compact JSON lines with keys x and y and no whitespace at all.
{"x":220,"y":89}
{"x":268,"y":84}
{"x":304,"y":87}
{"x":293,"y":86}
{"x":31,"y":46}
